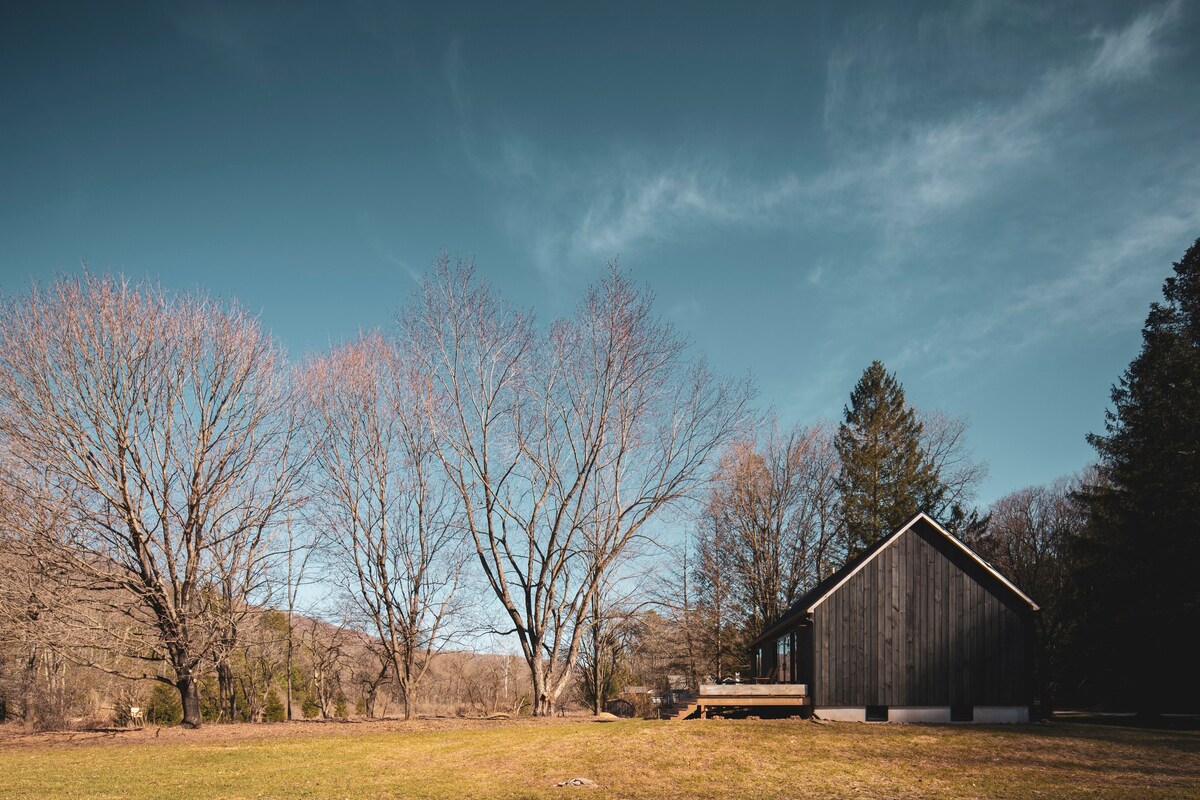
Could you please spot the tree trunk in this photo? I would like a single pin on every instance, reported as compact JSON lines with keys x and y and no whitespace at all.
{"x":593,"y":669}
{"x":28,"y":691}
{"x":189,"y":696}
{"x":289,"y":661}
{"x":226,"y":690}
{"x":404,"y":670}
{"x":543,"y":705}
{"x":369,"y":701}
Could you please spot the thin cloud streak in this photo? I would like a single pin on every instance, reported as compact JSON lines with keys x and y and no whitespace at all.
{"x":937,"y":168}
{"x":658,"y":205}
{"x":1132,"y":52}
{"x":633,"y":206}
{"x":1105,"y":291}
{"x":927,"y":171}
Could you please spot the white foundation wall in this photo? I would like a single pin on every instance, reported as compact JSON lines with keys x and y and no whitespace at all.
{"x":983,"y":714}
{"x":919,"y":714}
{"x":1002,"y":714}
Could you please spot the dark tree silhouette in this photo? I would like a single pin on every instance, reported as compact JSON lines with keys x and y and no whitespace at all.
{"x":1137,"y":562}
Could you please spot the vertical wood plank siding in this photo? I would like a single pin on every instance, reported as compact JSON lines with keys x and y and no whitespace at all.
{"x":921,"y":624}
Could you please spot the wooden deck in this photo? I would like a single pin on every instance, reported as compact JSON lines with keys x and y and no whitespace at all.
{"x":746,"y":695}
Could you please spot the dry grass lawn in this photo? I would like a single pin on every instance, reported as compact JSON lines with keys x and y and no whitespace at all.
{"x":635,"y":759}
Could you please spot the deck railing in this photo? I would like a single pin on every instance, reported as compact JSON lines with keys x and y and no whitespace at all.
{"x":744,"y":695}
{"x":754,"y":690}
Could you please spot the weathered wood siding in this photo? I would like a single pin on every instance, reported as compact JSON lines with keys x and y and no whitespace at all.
{"x":921,"y":624}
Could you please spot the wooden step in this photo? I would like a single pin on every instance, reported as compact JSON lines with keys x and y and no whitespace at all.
{"x":680,"y":712}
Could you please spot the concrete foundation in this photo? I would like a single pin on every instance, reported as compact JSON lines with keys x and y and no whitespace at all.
{"x":938,"y":714}
{"x":919,"y":714}
{"x":1001,"y":714}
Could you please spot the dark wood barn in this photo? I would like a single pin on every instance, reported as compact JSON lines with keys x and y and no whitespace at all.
{"x":917,"y":628}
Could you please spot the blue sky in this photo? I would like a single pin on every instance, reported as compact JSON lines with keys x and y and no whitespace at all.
{"x":984,"y":195}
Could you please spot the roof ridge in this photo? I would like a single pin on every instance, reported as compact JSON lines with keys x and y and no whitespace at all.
{"x":808,"y":602}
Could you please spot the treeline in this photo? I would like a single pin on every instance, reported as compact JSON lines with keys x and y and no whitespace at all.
{"x":1109,"y":554}
{"x":173,"y":489}
{"x":168,"y":477}
{"x":789,"y":507}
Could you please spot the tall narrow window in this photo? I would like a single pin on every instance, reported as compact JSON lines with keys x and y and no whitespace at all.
{"x":783,"y":664}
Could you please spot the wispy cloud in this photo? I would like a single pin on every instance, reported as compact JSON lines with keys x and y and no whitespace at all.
{"x":937,"y":169}
{"x":1108,"y":287}
{"x":1103,"y":289}
{"x":583,"y":216}
{"x":580,"y":214}
{"x":932,"y":167}
{"x":495,"y":153}
{"x":641,"y":206}
{"x":376,"y":244}
{"x":892,"y":189}
{"x":1132,"y":51}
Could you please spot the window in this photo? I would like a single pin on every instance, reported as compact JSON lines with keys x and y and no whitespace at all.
{"x":783,"y":671}
{"x":961,"y":713}
{"x":877,"y":713}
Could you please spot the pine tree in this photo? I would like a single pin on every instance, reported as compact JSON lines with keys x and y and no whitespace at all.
{"x":885,"y":477}
{"x":1137,"y":564}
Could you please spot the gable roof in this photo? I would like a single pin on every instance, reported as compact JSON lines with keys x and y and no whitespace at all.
{"x":818,"y":594}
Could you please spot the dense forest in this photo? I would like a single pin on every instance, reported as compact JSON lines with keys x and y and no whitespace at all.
{"x":474,"y":513}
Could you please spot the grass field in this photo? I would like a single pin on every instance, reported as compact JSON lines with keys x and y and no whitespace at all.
{"x":636,"y":759}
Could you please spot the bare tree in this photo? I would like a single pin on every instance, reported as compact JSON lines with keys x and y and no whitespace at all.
{"x":776,"y":504}
{"x":293,"y":570}
{"x":602,"y":653}
{"x":328,"y":648}
{"x":241,"y":571}
{"x":600,"y":661}
{"x":163,"y":425}
{"x":717,"y":623}
{"x":31,"y":638}
{"x":562,"y":444}
{"x":487,"y":684}
{"x":371,"y":672}
{"x":686,"y":606}
{"x":392,"y":518}
{"x":958,"y":474}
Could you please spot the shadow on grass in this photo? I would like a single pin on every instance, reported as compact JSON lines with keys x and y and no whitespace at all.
{"x":1165,"y":722}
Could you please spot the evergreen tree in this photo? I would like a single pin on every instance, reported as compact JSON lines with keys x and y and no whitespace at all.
{"x":1136,"y":565}
{"x":885,"y":477}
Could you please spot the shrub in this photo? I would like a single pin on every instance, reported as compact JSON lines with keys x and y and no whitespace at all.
{"x":273,"y":710}
{"x":309,"y":708}
{"x":212,"y":709}
{"x":164,"y":707}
